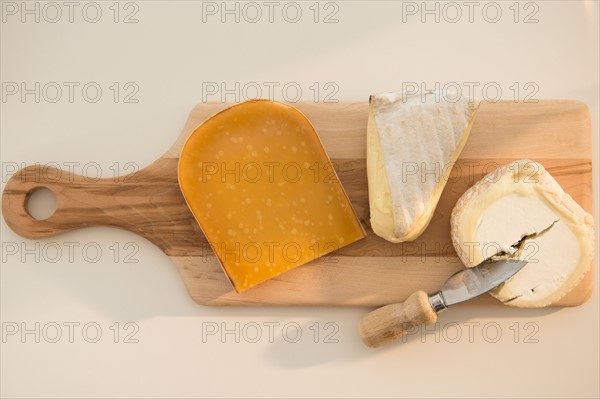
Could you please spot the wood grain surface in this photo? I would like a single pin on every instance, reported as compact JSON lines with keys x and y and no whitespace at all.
{"x":371,"y":272}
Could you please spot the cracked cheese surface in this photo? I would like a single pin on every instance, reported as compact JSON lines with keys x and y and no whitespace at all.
{"x":523,"y":199}
{"x":264,"y":192}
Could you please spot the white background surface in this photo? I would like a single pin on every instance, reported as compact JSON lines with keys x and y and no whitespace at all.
{"x":169,"y":53}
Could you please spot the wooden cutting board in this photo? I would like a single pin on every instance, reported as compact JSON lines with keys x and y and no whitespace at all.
{"x":370,"y":272}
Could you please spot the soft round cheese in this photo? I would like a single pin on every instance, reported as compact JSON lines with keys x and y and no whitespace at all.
{"x":520,"y":211}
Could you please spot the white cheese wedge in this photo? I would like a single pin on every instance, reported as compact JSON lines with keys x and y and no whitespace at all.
{"x":412,"y":144}
{"x":520,"y":211}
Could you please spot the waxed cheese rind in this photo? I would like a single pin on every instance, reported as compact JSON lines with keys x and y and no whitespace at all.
{"x":253,"y":203}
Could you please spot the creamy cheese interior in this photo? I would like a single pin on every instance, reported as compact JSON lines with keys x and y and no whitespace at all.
{"x":552,"y":257}
{"x":506,"y":221}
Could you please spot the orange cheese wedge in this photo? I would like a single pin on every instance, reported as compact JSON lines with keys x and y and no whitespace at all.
{"x":263,"y":190}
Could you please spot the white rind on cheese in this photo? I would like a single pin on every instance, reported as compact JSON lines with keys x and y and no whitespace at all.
{"x":412,"y":143}
{"x":519,"y":200}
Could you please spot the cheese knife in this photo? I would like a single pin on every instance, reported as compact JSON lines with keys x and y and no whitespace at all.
{"x":391,"y":322}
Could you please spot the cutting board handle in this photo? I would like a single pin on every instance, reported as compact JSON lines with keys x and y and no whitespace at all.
{"x":80,"y":201}
{"x":148,"y":203}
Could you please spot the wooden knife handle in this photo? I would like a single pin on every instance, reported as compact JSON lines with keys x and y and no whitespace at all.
{"x":391,"y":322}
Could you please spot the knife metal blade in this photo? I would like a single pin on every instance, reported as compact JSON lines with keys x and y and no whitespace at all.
{"x":390,"y":322}
{"x":469,"y":283}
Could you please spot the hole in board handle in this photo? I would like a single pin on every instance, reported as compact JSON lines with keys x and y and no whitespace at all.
{"x":40,"y":203}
